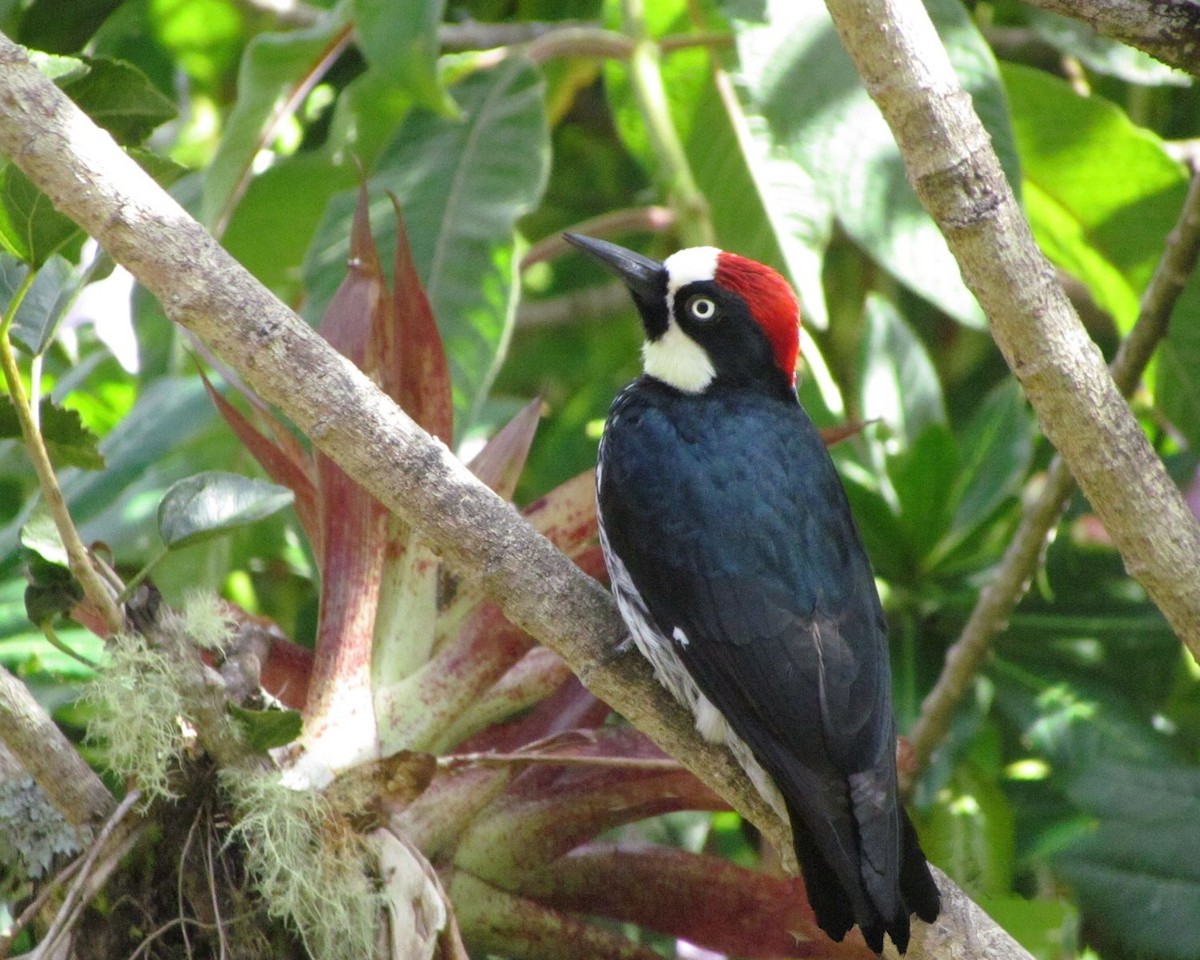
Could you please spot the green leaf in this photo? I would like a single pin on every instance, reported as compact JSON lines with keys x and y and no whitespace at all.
{"x":1137,"y":874}
{"x":462,"y":185}
{"x":30,"y":228}
{"x":267,"y":729}
{"x":52,"y":590}
{"x":1100,"y":53}
{"x":969,"y":833}
{"x":41,"y":309}
{"x":120,"y":98}
{"x":899,"y":383}
{"x":797,"y":80}
{"x":402,"y":45}
{"x":164,"y":170}
{"x":275,"y":69}
{"x":40,"y":535}
{"x":213,"y":503}
{"x":995,"y":452}
{"x":1101,"y":192}
{"x":67,"y":440}
{"x":923,"y":475}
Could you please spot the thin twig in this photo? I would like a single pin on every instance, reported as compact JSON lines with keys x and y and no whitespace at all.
{"x":1012,"y":577}
{"x":35,"y":907}
{"x":94,"y":872}
{"x":77,"y":555}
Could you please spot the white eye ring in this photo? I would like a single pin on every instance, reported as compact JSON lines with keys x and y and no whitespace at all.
{"x":702,"y":308}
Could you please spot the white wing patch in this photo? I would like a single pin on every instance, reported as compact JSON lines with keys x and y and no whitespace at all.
{"x":679,"y":636}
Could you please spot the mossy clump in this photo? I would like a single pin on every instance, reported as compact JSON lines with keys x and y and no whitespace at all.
{"x":308,"y":865}
{"x":140,"y":721}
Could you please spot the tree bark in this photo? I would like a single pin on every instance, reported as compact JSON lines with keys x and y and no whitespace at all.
{"x":1168,"y":31}
{"x":89,"y":178}
{"x":951,"y":164}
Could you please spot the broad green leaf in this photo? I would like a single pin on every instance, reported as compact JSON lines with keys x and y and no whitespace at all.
{"x":969,"y":833}
{"x":30,"y":228}
{"x":119,"y":98}
{"x":462,"y":185}
{"x":164,"y":170}
{"x":923,"y":475}
{"x":40,"y":535}
{"x":1101,"y":193}
{"x":276,"y":69}
{"x":267,"y":729}
{"x":41,"y":309}
{"x":1100,"y":53}
{"x":67,"y":440}
{"x":52,"y":590}
{"x":995,"y":451}
{"x":1176,"y":386}
{"x":1137,"y":874}
{"x":62,"y":27}
{"x":60,"y":69}
{"x":213,"y":503}
{"x":899,"y":383}
{"x":1046,"y":928}
{"x":762,"y":205}
{"x":401,"y":43}
{"x":797,"y":79}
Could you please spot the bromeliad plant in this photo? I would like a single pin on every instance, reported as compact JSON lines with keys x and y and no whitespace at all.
{"x":475,"y":764}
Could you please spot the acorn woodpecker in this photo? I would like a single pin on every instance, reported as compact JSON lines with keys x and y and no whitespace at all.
{"x":737,"y":566}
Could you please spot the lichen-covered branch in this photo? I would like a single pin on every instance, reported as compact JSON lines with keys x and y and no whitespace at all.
{"x":950,"y":161}
{"x":1168,"y":31}
{"x":49,"y":757}
{"x":89,"y":178}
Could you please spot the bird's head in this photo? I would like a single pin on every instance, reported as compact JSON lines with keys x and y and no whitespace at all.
{"x":711,"y":317}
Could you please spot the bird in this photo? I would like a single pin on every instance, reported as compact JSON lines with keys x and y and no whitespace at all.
{"x":738,"y":569}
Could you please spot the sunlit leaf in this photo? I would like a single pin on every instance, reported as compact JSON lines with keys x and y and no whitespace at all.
{"x":30,"y":228}
{"x":797,"y":79}
{"x":462,"y":184}
{"x":120,"y":98}
{"x":899,"y":383}
{"x":404,"y":48}
{"x":266,"y":729}
{"x":34,"y":325}
{"x":67,"y":440}
{"x":277,"y":69}
{"x":213,"y":503}
{"x":41,"y":536}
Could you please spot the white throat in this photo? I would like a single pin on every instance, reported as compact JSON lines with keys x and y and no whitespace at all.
{"x":675,"y":358}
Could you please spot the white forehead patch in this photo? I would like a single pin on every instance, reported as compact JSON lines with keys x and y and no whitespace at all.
{"x":675,"y":358}
{"x":688,"y":266}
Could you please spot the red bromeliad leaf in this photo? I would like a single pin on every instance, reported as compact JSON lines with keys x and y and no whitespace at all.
{"x":551,"y":809}
{"x":360,"y":304}
{"x":437,"y":818}
{"x":500,"y":462}
{"x":281,"y":465}
{"x":286,"y":671}
{"x":566,"y":516}
{"x":496,"y":922}
{"x":417,"y":375}
{"x":533,"y":681}
{"x":421,"y":710}
{"x":702,"y":899}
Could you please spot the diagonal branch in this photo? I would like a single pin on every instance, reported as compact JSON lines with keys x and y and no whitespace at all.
{"x":1011,"y":579}
{"x":200,"y":286}
{"x":1167,"y":31}
{"x":950,"y":161}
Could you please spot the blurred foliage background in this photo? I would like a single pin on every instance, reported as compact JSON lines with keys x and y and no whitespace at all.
{"x":1066,"y":797}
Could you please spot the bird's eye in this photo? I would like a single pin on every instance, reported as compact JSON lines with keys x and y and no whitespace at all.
{"x":702,"y":308}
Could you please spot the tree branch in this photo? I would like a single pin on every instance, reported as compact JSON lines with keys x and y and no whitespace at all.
{"x":1168,"y":31}
{"x":89,"y":178}
{"x":950,"y":161}
{"x":1011,"y":578}
{"x":49,"y":757}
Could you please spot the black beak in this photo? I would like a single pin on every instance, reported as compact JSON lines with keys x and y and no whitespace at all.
{"x":645,"y":278}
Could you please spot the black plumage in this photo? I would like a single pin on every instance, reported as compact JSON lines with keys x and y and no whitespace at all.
{"x":738,"y":568}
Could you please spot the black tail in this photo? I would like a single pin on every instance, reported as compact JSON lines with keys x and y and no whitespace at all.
{"x":838,"y":908}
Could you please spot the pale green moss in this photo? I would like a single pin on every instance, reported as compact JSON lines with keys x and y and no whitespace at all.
{"x":206,"y":621}
{"x":140,"y":718}
{"x":306,"y":864}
